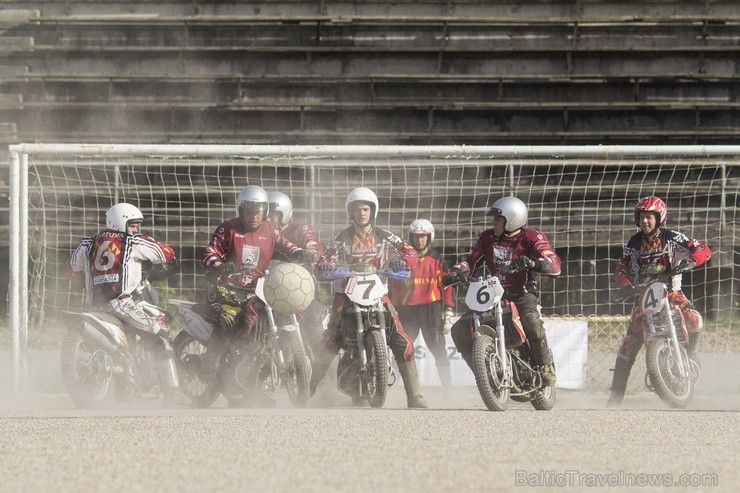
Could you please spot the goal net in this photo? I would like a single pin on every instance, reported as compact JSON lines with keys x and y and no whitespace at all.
{"x":582,"y":197}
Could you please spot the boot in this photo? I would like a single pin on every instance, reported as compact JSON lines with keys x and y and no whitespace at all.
{"x":209,"y":363}
{"x":694,"y":338}
{"x":445,"y":377}
{"x":622,"y":368}
{"x":321,"y":362}
{"x":410,"y":378}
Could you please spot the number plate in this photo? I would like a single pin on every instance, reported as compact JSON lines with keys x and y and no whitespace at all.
{"x":365,"y":290}
{"x":482,"y":295}
{"x":654,"y":298}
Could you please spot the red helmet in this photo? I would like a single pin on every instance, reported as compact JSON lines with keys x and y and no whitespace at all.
{"x":651,"y":204}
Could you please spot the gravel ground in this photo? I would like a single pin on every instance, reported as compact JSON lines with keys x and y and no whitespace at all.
{"x":48,"y":445}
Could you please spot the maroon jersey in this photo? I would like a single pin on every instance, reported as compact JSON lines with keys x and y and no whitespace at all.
{"x":644,"y":257}
{"x":425,"y":284}
{"x":302,"y":236}
{"x":499,"y":255}
{"x":111,"y":263}
{"x":233,"y":242}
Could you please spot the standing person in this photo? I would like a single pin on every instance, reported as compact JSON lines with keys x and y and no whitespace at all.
{"x":421,"y":299}
{"x":111,"y":266}
{"x":301,"y":235}
{"x":243,"y":244}
{"x":651,"y":251}
{"x":518,"y":255}
{"x":362,"y":243}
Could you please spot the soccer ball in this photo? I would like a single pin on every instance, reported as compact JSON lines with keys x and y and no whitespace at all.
{"x":289,"y":288}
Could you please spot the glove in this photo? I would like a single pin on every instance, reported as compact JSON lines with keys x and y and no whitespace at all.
{"x":225,"y":268}
{"x":399,"y":265}
{"x":685,"y":265}
{"x":625,"y":292}
{"x":305,"y":257}
{"x":453,"y":277}
{"x":448,"y":320}
{"x":523,"y":262}
{"x":323,"y":271}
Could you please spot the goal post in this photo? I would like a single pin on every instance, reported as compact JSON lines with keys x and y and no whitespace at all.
{"x":580,"y":196}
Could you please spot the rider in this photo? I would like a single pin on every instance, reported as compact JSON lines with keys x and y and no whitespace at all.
{"x":421,"y":298}
{"x":300,"y":234}
{"x":363,"y":244}
{"x":242,"y":245}
{"x":649,"y":252}
{"x":518,"y":255}
{"x":111,"y":266}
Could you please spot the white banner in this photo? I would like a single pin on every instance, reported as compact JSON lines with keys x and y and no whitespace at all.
{"x":568,"y":340}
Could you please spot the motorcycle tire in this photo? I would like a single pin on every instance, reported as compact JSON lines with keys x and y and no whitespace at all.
{"x":544,"y":398}
{"x":297,"y":369}
{"x":661,"y":365}
{"x":87,"y":372}
{"x":377,"y":366}
{"x":188,"y":352}
{"x":488,"y":371}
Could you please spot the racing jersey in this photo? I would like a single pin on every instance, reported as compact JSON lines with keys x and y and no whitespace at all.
{"x":644,"y":257}
{"x":302,"y":236}
{"x":233,"y":242}
{"x":425,"y":284}
{"x":110,"y":263}
{"x":499,"y":255}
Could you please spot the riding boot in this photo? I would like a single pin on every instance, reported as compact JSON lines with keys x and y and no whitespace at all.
{"x":215,"y":349}
{"x":322,"y":360}
{"x":694,"y":338}
{"x":467,"y":356}
{"x":541,"y":356}
{"x":445,"y":377}
{"x":410,"y":378}
{"x":622,"y":368}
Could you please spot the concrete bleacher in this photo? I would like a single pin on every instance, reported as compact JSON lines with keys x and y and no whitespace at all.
{"x":432,"y":72}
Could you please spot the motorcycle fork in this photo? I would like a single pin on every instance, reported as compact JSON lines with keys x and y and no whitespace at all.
{"x":501,"y":345}
{"x":673,"y":341}
{"x":275,"y":369}
{"x":360,"y":331}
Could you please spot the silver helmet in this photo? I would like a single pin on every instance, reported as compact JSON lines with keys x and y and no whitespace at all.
{"x":279,"y":202}
{"x":252,"y":198}
{"x":513,"y":210}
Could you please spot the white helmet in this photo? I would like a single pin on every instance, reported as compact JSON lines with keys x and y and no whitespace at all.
{"x":362,"y":194}
{"x":253,"y":199}
{"x":279,"y":202}
{"x":422,"y":227}
{"x":118,"y":217}
{"x":513,"y":210}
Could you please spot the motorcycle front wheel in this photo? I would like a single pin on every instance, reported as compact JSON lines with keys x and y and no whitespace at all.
{"x":489,"y":374}
{"x":188,"y":353}
{"x":296,"y":370}
{"x":544,"y":398}
{"x":662,"y":368}
{"x":87,"y":372}
{"x":377,"y":368}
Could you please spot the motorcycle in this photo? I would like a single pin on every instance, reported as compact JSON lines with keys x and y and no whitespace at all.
{"x":501,"y":355}
{"x":103,"y":361}
{"x":270,"y":358}
{"x":364,"y":370}
{"x":670,"y":372}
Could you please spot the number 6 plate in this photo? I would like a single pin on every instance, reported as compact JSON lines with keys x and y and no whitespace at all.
{"x":482,"y":295}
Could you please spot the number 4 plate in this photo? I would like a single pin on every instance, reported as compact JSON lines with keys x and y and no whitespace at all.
{"x":365,"y":290}
{"x":654,"y":297}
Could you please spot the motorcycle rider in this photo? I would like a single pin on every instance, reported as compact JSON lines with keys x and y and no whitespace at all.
{"x":111,"y":266}
{"x":362,"y":244}
{"x":518,"y":255}
{"x":420,"y":300}
{"x":243,"y":245}
{"x":651,"y":251}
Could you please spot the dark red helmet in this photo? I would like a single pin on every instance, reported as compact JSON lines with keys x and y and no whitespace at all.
{"x":651,"y":204}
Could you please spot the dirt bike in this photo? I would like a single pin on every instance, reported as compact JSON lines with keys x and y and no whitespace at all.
{"x":670,"y":372}
{"x":270,"y":358}
{"x":364,"y":371}
{"x":104,"y":361}
{"x":501,"y":354}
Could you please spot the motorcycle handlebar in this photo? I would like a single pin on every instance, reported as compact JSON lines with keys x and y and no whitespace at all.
{"x":345,"y":272}
{"x":664,"y":277}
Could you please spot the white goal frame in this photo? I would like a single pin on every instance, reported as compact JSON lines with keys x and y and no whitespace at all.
{"x":19,"y":193}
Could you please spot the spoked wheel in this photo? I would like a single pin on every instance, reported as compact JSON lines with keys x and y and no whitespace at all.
{"x":544,"y":399}
{"x":88,"y":372}
{"x":665,"y":377}
{"x":297,"y":369}
{"x":377,"y":368}
{"x":188,"y":354}
{"x":489,"y":374}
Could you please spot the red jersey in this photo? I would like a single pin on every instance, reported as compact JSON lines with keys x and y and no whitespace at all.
{"x":111,"y":263}
{"x":664,"y":250}
{"x":500,"y":253}
{"x":302,"y":236}
{"x":233,"y":242}
{"x":425,"y":284}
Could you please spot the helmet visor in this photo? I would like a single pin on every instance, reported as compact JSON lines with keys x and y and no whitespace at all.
{"x":252,"y":207}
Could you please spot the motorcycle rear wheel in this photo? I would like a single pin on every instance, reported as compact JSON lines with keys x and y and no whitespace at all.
{"x":297,"y":368}
{"x":489,"y":372}
{"x":662,"y":369}
{"x":87,"y":372}
{"x":377,"y":366}
{"x":188,"y":353}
